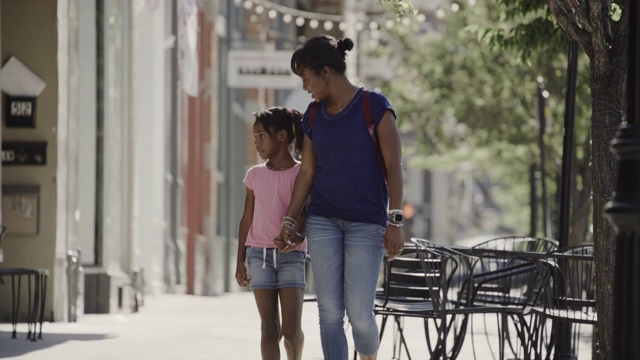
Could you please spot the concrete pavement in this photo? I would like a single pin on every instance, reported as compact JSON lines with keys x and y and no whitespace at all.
{"x":224,"y":327}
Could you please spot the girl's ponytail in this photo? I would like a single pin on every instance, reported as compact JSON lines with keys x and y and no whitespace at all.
{"x":296,"y":117}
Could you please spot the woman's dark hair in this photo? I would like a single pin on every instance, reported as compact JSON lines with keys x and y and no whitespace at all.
{"x":279,"y":118}
{"x":320,"y":51}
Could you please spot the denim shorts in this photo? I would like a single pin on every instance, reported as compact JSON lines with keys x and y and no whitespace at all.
{"x":272,"y":269}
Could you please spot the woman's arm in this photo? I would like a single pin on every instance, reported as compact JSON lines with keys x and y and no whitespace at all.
{"x":302,"y":185}
{"x":389,"y":138}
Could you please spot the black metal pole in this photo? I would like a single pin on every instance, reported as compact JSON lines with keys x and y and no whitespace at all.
{"x":542,"y":123}
{"x":623,"y":211}
{"x":567,"y":146}
{"x":533,"y":169}
{"x":563,"y":340}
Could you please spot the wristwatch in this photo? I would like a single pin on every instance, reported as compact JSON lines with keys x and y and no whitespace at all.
{"x":396,"y":215}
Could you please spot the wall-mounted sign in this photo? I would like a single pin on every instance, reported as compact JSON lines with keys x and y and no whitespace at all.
{"x":24,"y":153}
{"x":20,"y":208}
{"x":261,"y":69}
{"x":20,"y":111}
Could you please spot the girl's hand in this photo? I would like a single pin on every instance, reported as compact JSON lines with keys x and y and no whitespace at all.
{"x":241,"y":274}
{"x":393,"y":241}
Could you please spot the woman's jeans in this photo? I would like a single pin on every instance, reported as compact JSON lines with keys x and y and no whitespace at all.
{"x":346,"y":258}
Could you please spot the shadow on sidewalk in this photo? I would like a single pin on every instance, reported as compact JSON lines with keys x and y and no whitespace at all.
{"x":20,"y":346}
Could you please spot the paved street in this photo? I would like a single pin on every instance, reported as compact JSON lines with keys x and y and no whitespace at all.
{"x":224,"y":327}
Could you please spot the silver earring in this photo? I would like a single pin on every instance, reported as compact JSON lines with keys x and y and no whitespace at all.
{"x":326,"y":77}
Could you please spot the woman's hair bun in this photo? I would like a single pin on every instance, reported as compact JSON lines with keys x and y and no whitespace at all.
{"x":345,"y":44}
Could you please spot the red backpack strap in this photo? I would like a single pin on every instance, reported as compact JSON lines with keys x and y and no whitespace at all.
{"x":313,"y":109}
{"x":366,"y":108}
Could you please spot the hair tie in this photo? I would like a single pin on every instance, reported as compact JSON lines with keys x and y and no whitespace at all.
{"x":341,"y":46}
{"x":293,"y":112}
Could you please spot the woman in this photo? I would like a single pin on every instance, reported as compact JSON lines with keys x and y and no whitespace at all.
{"x":348,"y":226}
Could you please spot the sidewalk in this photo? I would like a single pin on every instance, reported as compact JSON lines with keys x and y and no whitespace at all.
{"x":224,"y":327}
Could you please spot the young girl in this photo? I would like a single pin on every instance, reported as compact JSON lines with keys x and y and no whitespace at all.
{"x":276,"y":270}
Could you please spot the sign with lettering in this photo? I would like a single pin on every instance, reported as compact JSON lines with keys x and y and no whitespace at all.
{"x":21,"y":208}
{"x":24,"y":153}
{"x":20,"y":111}
{"x":261,"y":69}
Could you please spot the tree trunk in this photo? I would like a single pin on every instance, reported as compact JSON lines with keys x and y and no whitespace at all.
{"x":606,"y":92}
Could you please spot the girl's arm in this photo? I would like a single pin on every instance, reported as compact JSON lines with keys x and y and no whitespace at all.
{"x":243,"y":231}
{"x":389,"y":138}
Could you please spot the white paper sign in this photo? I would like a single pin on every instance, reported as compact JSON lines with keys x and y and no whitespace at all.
{"x":18,"y":80}
{"x":261,"y":69}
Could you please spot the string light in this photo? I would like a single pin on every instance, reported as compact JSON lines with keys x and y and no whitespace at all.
{"x":328,"y":25}
{"x":328,"y":21}
{"x":389,"y":24}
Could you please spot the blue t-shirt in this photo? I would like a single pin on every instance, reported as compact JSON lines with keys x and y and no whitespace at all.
{"x":349,"y":183}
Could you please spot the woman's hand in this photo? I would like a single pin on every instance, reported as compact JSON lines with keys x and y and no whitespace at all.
{"x":393,"y":241}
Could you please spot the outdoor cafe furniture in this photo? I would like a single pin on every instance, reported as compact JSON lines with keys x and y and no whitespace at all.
{"x":570,"y":300}
{"x":36,"y":285}
{"x":505,"y":280}
{"x":424,"y":283}
{"x":512,"y":292}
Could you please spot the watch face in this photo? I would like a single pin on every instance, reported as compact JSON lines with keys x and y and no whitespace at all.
{"x":395,"y":217}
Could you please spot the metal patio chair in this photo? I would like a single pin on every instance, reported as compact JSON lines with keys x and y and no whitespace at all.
{"x":571,"y":299}
{"x":422,"y":283}
{"x":510,"y":292}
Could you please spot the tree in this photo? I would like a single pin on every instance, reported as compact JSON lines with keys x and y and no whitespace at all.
{"x":467,"y":102}
{"x":600,"y":28}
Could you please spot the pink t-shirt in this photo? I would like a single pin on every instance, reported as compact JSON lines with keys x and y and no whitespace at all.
{"x":272,"y":190}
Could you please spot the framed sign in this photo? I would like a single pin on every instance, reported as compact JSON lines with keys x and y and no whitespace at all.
{"x":21,"y":209}
{"x":20,"y":111}
{"x":261,"y":69}
{"x":24,"y":153}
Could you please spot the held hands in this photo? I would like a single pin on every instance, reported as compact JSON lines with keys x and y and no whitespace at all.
{"x":289,"y":238}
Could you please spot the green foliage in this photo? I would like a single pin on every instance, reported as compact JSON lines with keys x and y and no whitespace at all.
{"x":615,"y":12}
{"x":524,"y":26}
{"x":400,"y":8}
{"x":467,"y":99}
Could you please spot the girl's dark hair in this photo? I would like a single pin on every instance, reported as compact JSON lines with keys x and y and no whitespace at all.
{"x":320,"y":51}
{"x":279,"y":118}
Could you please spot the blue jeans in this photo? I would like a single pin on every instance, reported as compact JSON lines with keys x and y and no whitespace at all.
{"x":346,"y":258}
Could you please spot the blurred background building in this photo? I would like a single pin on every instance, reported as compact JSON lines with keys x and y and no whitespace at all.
{"x":146,"y":120}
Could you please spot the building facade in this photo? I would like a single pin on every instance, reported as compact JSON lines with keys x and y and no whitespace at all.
{"x":147,"y":137}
